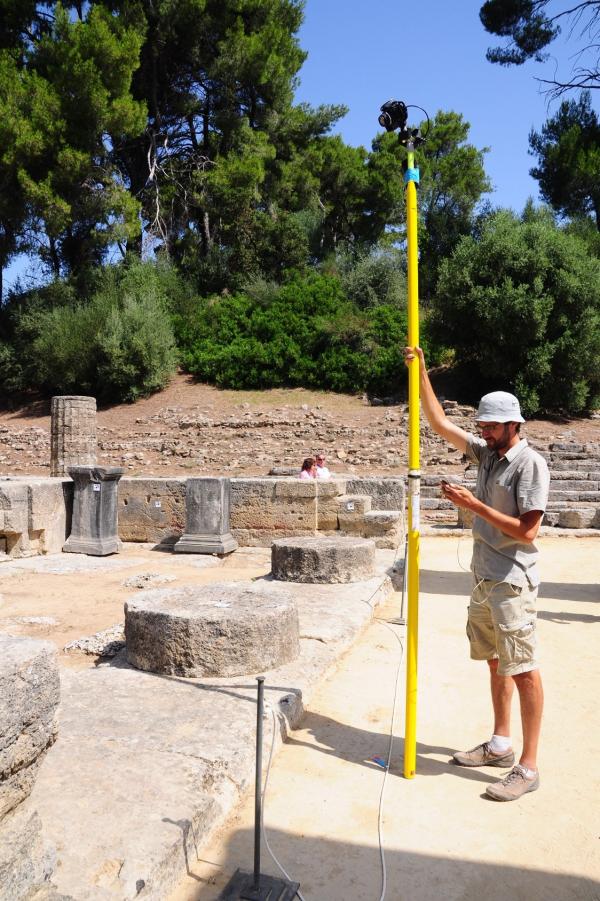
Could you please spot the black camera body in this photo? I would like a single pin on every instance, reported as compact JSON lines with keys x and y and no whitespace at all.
{"x":394,"y":114}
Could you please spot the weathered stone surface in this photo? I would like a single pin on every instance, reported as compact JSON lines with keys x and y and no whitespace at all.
{"x":73,"y":439}
{"x":152,"y":510}
{"x":25,"y":862}
{"x":577,"y":518}
{"x":29,"y":696}
{"x":207,"y":526}
{"x":225,"y":629}
{"x":324,"y":560}
{"x":386,"y":494}
{"x":94,"y":528}
{"x":147,"y":767}
{"x":106,"y":643}
{"x":34,"y":515}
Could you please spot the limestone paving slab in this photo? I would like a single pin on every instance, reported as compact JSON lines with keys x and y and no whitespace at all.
{"x":68,"y":563}
{"x":147,"y":765}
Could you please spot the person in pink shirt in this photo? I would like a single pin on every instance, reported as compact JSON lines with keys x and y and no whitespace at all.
{"x":309,"y":469}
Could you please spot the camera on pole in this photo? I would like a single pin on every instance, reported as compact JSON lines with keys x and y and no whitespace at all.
{"x":394,"y":115}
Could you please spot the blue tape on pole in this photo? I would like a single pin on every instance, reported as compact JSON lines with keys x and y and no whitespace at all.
{"x":412,"y":175}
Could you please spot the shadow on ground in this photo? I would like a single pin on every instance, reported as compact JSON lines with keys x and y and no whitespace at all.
{"x":336,"y":871}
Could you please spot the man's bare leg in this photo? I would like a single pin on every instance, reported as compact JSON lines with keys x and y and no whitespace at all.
{"x":502,"y":688}
{"x":531,"y":696}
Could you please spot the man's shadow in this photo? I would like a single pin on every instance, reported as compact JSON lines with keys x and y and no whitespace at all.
{"x":360,"y":746}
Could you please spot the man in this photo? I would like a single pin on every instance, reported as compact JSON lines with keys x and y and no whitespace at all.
{"x":322,"y":470}
{"x":508,"y":506}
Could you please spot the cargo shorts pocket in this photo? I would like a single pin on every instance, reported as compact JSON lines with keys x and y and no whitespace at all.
{"x":516,"y":647}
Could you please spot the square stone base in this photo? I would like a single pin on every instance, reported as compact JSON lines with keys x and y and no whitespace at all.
{"x":95,"y":547}
{"x":206,"y":544}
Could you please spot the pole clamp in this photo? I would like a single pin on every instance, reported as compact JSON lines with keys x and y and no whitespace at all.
{"x":412,"y":175}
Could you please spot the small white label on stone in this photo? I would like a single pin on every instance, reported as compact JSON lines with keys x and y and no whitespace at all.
{"x":350,"y":506}
{"x":96,"y":486}
{"x":157,"y":503}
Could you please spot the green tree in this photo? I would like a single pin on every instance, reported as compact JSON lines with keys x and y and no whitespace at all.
{"x":521,"y":305}
{"x":530,"y":26}
{"x":64,"y":100}
{"x":568,"y":152}
{"x":453,"y":181}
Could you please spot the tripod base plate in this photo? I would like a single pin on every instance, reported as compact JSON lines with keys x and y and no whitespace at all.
{"x":271,"y":888}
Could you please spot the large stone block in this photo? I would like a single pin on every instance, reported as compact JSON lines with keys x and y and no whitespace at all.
{"x":386,"y":493}
{"x":323,"y":560}
{"x":577,"y":518}
{"x":228,"y":629}
{"x":35,"y":515}
{"x":29,"y":696}
{"x":26,"y":863}
{"x":267,"y":505}
{"x":152,"y":510}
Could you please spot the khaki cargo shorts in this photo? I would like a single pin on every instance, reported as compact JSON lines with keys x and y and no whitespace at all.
{"x":502,"y":624}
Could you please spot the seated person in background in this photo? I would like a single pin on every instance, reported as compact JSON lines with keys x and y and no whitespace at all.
{"x":309,"y":469}
{"x":322,"y":471}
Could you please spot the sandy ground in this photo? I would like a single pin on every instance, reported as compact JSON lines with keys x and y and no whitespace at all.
{"x":64,"y":597}
{"x":443,"y":839}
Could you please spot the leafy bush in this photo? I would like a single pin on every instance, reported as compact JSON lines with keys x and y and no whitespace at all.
{"x":118,"y":346}
{"x":521,"y":305}
{"x":376,"y":277}
{"x":305,"y":333}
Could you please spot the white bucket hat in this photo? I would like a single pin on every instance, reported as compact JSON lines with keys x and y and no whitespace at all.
{"x":499,"y":406}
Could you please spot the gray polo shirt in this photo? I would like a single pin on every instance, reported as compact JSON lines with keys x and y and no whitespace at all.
{"x":513,"y":484}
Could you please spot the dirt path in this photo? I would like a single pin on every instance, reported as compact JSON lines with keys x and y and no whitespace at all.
{"x":442,"y":839}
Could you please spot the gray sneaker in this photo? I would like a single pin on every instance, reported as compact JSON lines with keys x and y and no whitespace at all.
{"x":482,"y":756}
{"x":513,"y":785}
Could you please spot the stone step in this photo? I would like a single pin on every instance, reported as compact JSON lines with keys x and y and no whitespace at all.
{"x":560,"y":495}
{"x":587,"y":464}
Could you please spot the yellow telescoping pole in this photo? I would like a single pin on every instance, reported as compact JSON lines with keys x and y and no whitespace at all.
{"x":414,"y":475}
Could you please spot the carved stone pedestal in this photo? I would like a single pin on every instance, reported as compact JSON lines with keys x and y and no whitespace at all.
{"x":207,"y":529}
{"x":94,"y":530}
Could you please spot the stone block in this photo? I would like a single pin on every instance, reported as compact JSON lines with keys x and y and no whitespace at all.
{"x":228,"y":629}
{"x":51,"y":510}
{"x":29,"y":696}
{"x":354,"y":504}
{"x":266,"y":505}
{"x":152,"y":510}
{"x":94,"y":528}
{"x":385,"y":526}
{"x":577,"y":518}
{"x":26,"y":862}
{"x":323,"y":560}
{"x":386,"y":493}
{"x":207,"y":524}
{"x":14,"y":518}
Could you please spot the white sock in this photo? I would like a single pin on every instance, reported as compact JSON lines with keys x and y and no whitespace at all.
{"x":529,"y":774}
{"x":499,"y":744}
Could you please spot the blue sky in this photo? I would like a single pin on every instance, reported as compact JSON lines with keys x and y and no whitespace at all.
{"x":362,"y":54}
{"x":432,"y":54}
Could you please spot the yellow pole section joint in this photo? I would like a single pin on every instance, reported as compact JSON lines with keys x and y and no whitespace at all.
{"x":414,"y":476}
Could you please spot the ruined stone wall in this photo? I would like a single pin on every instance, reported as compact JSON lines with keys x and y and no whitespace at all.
{"x":35,"y":515}
{"x":262,"y":509}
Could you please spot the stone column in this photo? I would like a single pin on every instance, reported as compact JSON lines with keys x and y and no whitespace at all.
{"x":94,"y":528}
{"x":73,"y":439}
{"x":207,"y":529}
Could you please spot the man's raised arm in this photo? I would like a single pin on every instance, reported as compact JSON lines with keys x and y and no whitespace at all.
{"x":434,"y":412}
